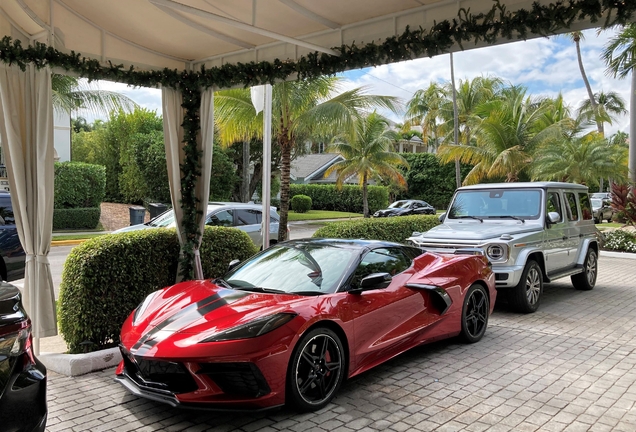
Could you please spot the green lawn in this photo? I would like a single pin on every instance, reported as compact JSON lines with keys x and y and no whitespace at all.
{"x":603,"y":226}
{"x":320,"y":214}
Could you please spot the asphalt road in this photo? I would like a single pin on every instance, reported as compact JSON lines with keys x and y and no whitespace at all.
{"x":58,"y":254}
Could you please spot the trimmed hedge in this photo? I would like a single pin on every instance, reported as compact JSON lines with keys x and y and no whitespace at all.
{"x":76,"y":218}
{"x":79,"y":185}
{"x":105,"y":278}
{"x":395,"y":229}
{"x":346,"y":199}
{"x":301,"y":203}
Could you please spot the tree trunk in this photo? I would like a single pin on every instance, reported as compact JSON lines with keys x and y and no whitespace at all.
{"x":458,"y":172}
{"x":285,"y":147}
{"x":599,"y":124}
{"x":245,"y":183}
{"x":365,"y":200}
{"x":632,"y":131}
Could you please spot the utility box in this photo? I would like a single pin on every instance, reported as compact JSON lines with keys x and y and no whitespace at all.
{"x":137,"y":215}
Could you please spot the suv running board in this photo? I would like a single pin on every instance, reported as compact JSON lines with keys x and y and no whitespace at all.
{"x":563,"y":273}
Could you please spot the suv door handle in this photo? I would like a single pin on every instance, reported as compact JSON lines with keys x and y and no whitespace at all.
{"x":564,"y":238}
{"x":581,"y":235}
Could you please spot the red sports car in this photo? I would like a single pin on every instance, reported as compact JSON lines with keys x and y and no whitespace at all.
{"x":291,"y":323}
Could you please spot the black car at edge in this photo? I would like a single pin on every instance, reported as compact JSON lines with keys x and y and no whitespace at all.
{"x":406,"y":208}
{"x":12,"y":255}
{"x":22,"y":376}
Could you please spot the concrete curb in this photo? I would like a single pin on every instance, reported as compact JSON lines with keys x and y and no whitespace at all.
{"x":80,"y":364}
{"x":613,"y":254}
{"x":67,"y":242}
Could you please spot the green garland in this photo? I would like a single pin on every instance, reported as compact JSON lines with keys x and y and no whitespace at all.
{"x":496,"y":24}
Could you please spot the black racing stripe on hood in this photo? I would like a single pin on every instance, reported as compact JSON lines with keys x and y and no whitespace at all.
{"x":188,"y":314}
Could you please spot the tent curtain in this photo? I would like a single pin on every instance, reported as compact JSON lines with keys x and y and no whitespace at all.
{"x":26,"y":132}
{"x":173,"y":138}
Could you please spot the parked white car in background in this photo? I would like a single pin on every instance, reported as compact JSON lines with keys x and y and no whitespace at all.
{"x":246,"y":217}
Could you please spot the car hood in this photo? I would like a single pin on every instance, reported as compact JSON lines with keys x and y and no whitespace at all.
{"x":132,"y":228}
{"x":475,"y":230}
{"x":196,"y":310}
{"x":393,"y":211}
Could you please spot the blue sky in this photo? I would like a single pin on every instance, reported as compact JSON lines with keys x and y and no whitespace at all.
{"x":545,"y":66}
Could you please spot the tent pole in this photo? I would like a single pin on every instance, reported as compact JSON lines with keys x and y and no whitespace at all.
{"x":267,"y":163}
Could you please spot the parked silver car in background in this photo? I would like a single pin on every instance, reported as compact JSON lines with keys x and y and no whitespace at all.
{"x":602,"y":209}
{"x":531,"y":232}
{"x":246,"y":217}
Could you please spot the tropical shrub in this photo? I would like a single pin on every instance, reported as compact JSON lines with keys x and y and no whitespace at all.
{"x":78,"y":185}
{"x":620,"y":240}
{"x":301,"y":203}
{"x":346,"y":199}
{"x":76,"y":218}
{"x":106,"y":278}
{"x":624,"y":203}
{"x":430,"y":180}
{"x":395,"y":229}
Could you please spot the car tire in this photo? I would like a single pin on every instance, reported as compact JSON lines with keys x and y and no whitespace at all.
{"x":526,"y":296}
{"x":316,"y":370}
{"x":586,"y":280}
{"x":475,"y":313}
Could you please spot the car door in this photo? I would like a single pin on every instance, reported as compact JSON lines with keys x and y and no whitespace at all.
{"x":384,"y":319}
{"x":249,"y":220}
{"x":574,"y":215}
{"x":555,"y":237}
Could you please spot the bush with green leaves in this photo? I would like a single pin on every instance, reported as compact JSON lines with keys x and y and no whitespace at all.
{"x":76,"y":218}
{"x":345,"y":199}
{"x":78,"y":185}
{"x":301,"y":203}
{"x":620,"y":240}
{"x":430,"y":180}
{"x":105,"y":278}
{"x":395,"y":229}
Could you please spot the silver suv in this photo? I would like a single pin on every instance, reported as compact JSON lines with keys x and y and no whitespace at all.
{"x":246,"y":217}
{"x":532,"y":233}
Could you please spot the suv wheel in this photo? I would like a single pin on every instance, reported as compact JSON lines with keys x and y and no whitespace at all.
{"x":586,"y":280}
{"x":526,"y":296}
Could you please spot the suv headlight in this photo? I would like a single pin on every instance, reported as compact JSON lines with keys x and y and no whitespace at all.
{"x":497,"y":252}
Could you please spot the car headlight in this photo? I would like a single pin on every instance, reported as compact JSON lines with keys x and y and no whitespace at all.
{"x":376,"y":214}
{"x":497,"y":252}
{"x":143,"y":306}
{"x":252,"y":329}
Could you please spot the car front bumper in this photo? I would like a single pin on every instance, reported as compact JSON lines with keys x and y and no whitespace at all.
{"x":23,"y":402}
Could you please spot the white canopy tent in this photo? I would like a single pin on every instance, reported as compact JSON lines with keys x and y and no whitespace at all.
{"x":190,"y":34}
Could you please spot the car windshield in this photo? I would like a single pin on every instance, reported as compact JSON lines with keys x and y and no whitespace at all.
{"x":164,"y":220}
{"x":496,"y":204}
{"x":400,"y":204}
{"x":295,"y":268}
{"x":596,"y":202}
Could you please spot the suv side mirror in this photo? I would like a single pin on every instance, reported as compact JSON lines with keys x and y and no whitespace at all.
{"x":373,"y":281}
{"x":554,"y":217}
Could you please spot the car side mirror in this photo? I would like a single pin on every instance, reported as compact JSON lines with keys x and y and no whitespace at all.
{"x":554,"y":217}
{"x":233,"y":264}
{"x":442,"y":217}
{"x":373,"y":281}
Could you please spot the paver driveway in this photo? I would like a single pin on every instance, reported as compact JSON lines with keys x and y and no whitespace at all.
{"x":570,"y":366}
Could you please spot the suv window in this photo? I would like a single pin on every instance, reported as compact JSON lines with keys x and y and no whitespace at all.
{"x":248,"y":217}
{"x":554,"y":204}
{"x":222,"y":218}
{"x":6,"y":211}
{"x":586,"y":207}
{"x":573,"y":212}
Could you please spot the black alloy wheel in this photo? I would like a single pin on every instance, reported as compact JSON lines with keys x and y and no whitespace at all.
{"x":316,"y":371}
{"x":475,"y":313}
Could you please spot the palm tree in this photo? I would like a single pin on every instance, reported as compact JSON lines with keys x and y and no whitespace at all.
{"x":608,"y":106}
{"x":620,"y":56}
{"x":509,"y":129}
{"x":72,"y":94}
{"x":367,"y":154}
{"x":300,"y":109}
{"x":576,"y":37}
{"x":423,"y":109}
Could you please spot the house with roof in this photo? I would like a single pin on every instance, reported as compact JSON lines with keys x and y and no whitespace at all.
{"x":311,"y":168}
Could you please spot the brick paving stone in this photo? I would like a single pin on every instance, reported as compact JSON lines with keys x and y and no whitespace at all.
{"x":571,"y":366}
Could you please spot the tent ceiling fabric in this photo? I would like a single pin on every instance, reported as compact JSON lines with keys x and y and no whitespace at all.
{"x":153,"y":34}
